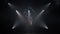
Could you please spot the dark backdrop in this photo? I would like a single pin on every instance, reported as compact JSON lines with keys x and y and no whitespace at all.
{"x":8,"y":16}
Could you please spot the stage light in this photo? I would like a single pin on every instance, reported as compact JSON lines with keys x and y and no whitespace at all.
{"x":42,"y":24}
{"x":28,"y":13}
{"x":49,"y":4}
{"x":20,"y":16}
{"x":18,"y":13}
{"x":46,"y":27}
{"x":14,"y":27}
{"x":9,"y":4}
{"x":29,"y":17}
{"x":39,"y":15}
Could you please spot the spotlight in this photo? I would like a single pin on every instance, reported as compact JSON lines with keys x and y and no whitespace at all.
{"x":14,"y":27}
{"x":46,"y":27}
{"x":39,"y":14}
{"x":46,"y":6}
{"x":10,"y":4}
{"x":28,"y":13}
{"x":20,"y":16}
{"x":18,"y":13}
{"x":29,"y":17}
{"x":49,"y":4}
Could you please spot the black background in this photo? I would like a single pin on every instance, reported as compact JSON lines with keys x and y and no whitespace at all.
{"x":8,"y":17}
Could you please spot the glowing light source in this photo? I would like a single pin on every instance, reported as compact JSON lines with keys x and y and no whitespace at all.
{"x":20,"y":16}
{"x":10,"y":4}
{"x":49,"y":4}
{"x":28,"y":13}
{"x":46,"y":27}
{"x":18,"y":13}
{"x":14,"y":27}
{"x":39,"y":14}
{"x":29,"y":17}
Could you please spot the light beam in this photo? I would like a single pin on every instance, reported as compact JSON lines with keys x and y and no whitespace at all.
{"x":42,"y":24}
{"x":12,"y":6}
{"x":49,"y":4}
{"x":29,"y":18}
{"x":39,"y":14}
{"x":9,"y":4}
{"x":13,"y":27}
{"x":46,"y":27}
{"x":20,"y":16}
{"x":18,"y":13}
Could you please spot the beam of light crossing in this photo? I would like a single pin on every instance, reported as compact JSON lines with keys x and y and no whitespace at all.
{"x":39,"y":14}
{"x":29,"y":18}
{"x":20,"y":16}
{"x":43,"y":11}
{"x":49,"y":4}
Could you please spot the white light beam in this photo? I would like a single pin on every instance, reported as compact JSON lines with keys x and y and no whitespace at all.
{"x":46,"y":27}
{"x":28,"y":13}
{"x":12,"y":6}
{"x":20,"y":16}
{"x":14,"y":26}
{"x":18,"y":13}
{"x":29,"y":18}
{"x":9,"y":4}
{"x":39,"y":14}
{"x":42,"y":24}
{"x":47,"y":6}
